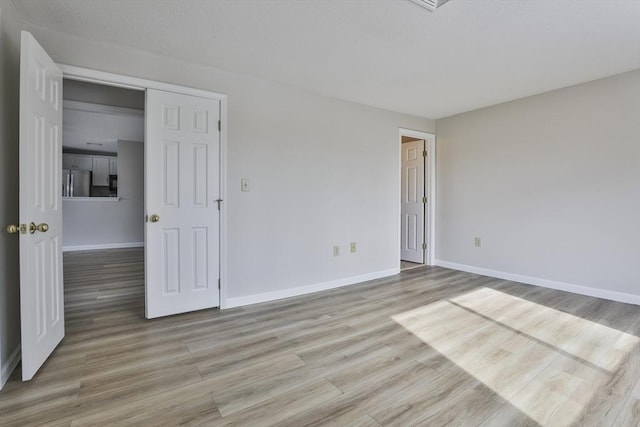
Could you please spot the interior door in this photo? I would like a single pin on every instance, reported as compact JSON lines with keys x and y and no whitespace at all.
{"x":412,"y":202}
{"x":41,"y":286}
{"x":182,"y":188}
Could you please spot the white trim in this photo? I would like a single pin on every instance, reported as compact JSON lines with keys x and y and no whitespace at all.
{"x":303,"y":290}
{"x":101,"y":109}
{"x":545,"y":283}
{"x":118,"y":80}
{"x":104,"y":246}
{"x":102,"y":77}
{"x":9,"y":366}
{"x":430,"y":185}
{"x":222,"y":270}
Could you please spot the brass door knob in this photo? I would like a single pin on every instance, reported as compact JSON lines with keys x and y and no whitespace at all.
{"x":155,"y":218}
{"x":43,"y":227}
{"x":13,"y":229}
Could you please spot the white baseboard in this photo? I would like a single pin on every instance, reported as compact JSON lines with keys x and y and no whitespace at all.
{"x":303,"y":290}
{"x":104,"y":246}
{"x":545,"y":283}
{"x":9,"y":366}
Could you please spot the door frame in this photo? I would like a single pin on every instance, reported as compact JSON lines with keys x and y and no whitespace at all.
{"x":119,"y":80}
{"x":430,"y":189}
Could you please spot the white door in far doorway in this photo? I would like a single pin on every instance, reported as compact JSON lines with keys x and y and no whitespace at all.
{"x":182,"y":185}
{"x":41,"y":286}
{"x":412,"y":202}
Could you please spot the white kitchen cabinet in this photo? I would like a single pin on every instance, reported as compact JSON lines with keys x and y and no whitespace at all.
{"x":77,"y":161}
{"x":113,"y":166}
{"x":84,"y":162}
{"x":68,"y":161}
{"x":100,"y":171}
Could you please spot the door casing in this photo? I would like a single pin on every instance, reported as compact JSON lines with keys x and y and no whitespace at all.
{"x":136,"y":83}
{"x":430,"y":190}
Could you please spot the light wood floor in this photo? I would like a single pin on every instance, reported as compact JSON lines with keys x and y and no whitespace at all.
{"x":428,"y":347}
{"x":407,"y":265}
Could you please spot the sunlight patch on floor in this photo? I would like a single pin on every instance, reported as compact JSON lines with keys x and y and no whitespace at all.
{"x":545,"y":362}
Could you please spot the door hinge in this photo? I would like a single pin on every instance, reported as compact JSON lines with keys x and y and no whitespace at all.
{"x":218,"y":283}
{"x":219,"y":201}
{"x":424,"y":200}
{"x":424,"y":153}
{"x":146,"y":218}
{"x":219,"y":125}
{"x":424,"y":246}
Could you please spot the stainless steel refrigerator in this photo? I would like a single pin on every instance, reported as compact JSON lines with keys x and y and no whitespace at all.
{"x":76,"y":183}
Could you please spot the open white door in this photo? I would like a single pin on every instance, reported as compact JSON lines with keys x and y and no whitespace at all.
{"x":412,"y":202}
{"x":182,"y":188}
{"x":41,"y":287}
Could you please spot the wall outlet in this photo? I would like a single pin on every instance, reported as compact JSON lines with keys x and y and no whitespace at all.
{"x":244,"y":184}
{"x":336,"y":250}
{"x":353,"y":247}
{"x":478,"y":242}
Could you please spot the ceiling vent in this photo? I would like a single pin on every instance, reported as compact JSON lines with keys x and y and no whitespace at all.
{"x":430,"y":5}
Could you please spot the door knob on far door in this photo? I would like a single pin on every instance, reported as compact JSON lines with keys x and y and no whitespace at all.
{"x":43,"y":227}
{"x":155,"y":218}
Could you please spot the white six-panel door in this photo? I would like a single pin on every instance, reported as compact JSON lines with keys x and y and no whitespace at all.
{"x":182,"y":185}
{"x":411,"y":204}
{"x":41,"y":287}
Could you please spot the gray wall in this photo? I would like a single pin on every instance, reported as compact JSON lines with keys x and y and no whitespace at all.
{"x":550,"y":183}
{"x":9,"y":285}
{"x":90,"y":223}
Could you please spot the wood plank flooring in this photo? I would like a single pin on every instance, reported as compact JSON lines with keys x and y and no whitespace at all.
{"x":428,"y":347}
{"x":407,"y":265}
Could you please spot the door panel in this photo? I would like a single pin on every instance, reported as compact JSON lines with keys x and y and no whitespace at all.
{"x":41,"y":287}
{"x":411,"y":232}
{"x":182,"y":184}
{"x":412,"y":209}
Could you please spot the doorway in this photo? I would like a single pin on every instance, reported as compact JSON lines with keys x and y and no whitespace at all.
{"x":184,"y":232}
{"x":184,"y":213}
{"x":102,"y":202}
{"x":102,"y":148}
{"x":413,"y":203}
{"x":417,"y":208}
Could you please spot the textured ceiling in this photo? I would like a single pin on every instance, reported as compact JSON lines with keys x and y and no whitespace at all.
{"x":391,"y":54}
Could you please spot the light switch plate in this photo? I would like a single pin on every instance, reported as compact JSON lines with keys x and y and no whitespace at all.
{"x":244,"y":184}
